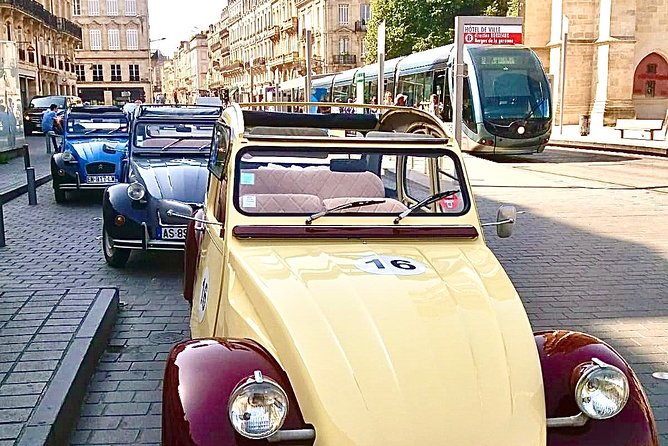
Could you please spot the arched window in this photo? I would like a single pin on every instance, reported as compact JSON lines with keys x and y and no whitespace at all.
{"x":651,"y":77}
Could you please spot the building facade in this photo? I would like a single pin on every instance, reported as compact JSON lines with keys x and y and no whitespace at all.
{"x":46,"y":39}
{"x":185,"y":76}
{"x":219,"y":53}
{"x":616,"y":56}
{"x":267,"y":41}
{"x":113,"y":65}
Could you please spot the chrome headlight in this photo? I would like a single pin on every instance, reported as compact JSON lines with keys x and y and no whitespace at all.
{"x":258,"y":407}
{"x":602,"y":391}
{"x":136,"y":191}
{"x":68,"y":157}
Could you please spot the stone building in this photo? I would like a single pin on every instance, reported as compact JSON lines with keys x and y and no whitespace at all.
{"x":185,"y":75}
{"x":617,"y":55}
{"x":267,"y":39}
{"x":46,"y":39}
{"x":219,"y":53}
{"x":114,"y":62}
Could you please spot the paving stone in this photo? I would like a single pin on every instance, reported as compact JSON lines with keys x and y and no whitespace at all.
{"x":115,"y":436}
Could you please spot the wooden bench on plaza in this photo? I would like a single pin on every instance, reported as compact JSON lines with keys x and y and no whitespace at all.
{"x":644,"y":125}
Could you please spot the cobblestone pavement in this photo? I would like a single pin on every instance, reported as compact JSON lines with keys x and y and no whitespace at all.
{"x":13,"y":173}
{"x":58,"y":247}
{"x":584,"y":256}
{"x":37,"y":328}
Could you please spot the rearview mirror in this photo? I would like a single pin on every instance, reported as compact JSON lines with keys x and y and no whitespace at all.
{"x":506,"y":217}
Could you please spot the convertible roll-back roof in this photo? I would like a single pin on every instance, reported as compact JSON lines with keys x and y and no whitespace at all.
{"x":87,"y":110}
{"x":362,"y":122}
{"x":178,"y":111}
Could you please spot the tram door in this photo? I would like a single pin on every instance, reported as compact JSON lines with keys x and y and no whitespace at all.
{"x":442,"y":89}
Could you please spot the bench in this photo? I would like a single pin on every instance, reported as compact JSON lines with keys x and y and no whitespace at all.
{"x":643,"y":125}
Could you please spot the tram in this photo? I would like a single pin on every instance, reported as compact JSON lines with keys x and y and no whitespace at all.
{"x":507,"y":105}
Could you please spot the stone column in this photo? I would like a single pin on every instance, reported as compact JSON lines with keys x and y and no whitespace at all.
{"x":613,"y":78}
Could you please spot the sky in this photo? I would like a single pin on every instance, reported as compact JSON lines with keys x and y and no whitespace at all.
{"x":178,"y":20}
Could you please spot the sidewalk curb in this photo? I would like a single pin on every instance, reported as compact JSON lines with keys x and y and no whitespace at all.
{"x":58,"y":412}
{"x":609,"y":147}
{"x":17,"y":191}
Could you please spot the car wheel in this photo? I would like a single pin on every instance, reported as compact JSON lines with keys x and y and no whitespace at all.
{"x":59,"y":195}
{"x":116,"y":257}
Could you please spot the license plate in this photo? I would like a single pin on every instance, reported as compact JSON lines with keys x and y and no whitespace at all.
{"x":100,"y":179}
{"x":172,"y":233}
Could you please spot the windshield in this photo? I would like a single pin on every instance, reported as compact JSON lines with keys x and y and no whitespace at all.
{"x":86,"y":125}
{"x":512,"y":84}
{"x":311,"y":181}
{"x":47,"y":101}
{"x":171,"y":137}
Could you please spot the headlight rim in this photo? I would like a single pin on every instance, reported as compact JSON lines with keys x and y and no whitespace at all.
{"x":141,"y":187}
{"x":68,"y":157}
{"x":585,"y":371}
{"x":257,"y":378}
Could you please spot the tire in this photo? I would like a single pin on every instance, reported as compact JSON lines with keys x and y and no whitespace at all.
{"x":115,"y":257}
{"x":60,"y":196}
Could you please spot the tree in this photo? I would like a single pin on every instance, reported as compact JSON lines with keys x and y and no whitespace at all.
{"x":418,"y":25}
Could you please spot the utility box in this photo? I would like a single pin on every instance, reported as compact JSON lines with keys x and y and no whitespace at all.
{"x":585,"y":122}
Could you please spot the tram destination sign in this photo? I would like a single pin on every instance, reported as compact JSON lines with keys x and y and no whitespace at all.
{"x":492,"y":34}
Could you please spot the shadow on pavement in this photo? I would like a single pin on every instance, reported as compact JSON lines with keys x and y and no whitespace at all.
{"x":557,"y":156}
{"x":569,"y":278}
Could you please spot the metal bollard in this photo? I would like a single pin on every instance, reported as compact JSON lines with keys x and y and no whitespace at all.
{"x":48,"y":142}
{"x":32,"y":186}
{"x":26,"y":155}
{"x":2,"y":227}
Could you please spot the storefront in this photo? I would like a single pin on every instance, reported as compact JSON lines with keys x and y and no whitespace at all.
{"x":117,"y":96}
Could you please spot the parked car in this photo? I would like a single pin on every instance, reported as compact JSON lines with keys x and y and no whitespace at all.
{"x":209,"y":100}
{"x":342,"y":294}
{"x":94,"y":151}
{"x":32,"y":115}
{"x":168,"y":153}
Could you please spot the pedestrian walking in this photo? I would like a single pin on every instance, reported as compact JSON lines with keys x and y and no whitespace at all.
{"x":401,"y":100}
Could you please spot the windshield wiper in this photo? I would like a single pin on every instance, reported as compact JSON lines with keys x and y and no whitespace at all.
{"x":172,"y":144}
{"x":533,"y":109}
{"x":352,"y":204}
{"x":427,"y":201}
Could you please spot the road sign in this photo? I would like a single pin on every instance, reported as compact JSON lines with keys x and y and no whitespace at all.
{"x":492,"y":34}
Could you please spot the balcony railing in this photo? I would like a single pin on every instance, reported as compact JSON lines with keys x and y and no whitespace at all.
{"x":360,"y":26}
{"x":344,"y":59}
{"x":36,"y":10}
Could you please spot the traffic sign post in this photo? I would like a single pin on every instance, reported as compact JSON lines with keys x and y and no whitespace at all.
{"x":470,"y":30}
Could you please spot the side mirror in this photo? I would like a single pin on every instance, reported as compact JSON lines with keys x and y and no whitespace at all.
{"x":506,"y":217}
{"x":174,"y":212}
{"x":113,"y":150}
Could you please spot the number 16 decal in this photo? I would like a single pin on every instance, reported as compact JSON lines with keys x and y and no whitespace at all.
{"x":390,"y":266}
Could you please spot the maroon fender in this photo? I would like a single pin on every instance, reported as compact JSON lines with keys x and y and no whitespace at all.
{"x":191,"y":257}
{"x":560,"y":353}
{"x":199,"y":378}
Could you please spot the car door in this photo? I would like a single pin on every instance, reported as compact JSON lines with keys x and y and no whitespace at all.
{"x":212,"y":255}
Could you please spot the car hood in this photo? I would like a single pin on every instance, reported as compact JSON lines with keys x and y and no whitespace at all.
{"x":92,"y":150}
{"x":182,"y":179}
{"x":443,"y":357}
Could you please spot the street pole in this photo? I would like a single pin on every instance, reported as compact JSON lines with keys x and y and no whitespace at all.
{"x":309,"y":65}
{"x":252,"y":84}
{"x":562,"y":72}
{"x":381,"y":63}
{"x":459,"y":80}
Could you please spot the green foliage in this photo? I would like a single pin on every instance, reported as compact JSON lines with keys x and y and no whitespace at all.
{"x":418,"y":25}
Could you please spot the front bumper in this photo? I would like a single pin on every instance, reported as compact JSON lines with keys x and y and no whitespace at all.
{"x":146,"y":243}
